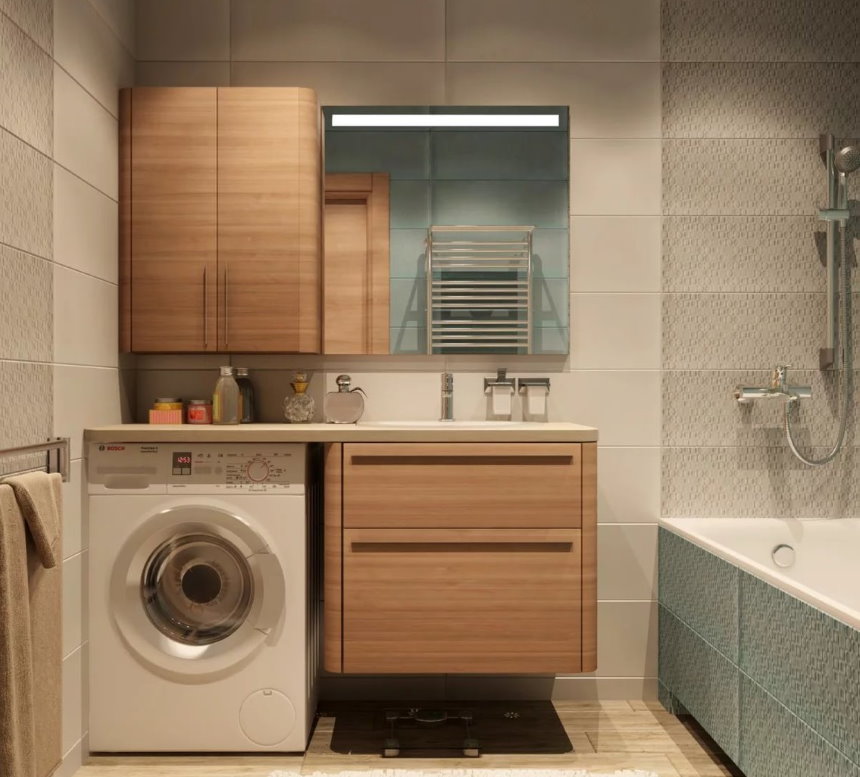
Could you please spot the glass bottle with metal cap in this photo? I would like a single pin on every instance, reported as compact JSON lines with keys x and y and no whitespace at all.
{"x":345,"y":405}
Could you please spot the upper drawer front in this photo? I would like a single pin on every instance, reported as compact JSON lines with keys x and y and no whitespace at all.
{"x":493,"y":485}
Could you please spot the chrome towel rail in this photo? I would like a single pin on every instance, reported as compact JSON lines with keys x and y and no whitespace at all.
{"x":57,"y":455}
{"x":479,"y":288}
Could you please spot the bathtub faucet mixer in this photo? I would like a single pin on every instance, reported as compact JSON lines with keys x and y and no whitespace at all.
{"x":779,"y":387}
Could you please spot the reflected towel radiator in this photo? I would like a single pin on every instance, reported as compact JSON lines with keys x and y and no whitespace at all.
{"x":479,"y":289}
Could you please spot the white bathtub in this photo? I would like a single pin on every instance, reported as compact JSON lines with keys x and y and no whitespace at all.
{"x":826,"y":568}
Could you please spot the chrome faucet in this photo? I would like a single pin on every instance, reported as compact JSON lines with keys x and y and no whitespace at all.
{"x":778,"y":387}
{"x":447,"y":397}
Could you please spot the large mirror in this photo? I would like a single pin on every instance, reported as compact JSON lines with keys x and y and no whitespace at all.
{"x":486,"y":189}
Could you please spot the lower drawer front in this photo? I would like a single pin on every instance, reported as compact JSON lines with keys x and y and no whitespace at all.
{"x":466,"y":600}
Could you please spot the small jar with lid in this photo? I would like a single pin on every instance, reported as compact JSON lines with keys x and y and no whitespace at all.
{"x":199,"y":411}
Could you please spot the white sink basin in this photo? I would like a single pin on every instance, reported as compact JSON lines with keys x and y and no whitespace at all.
{"x":452,"y":424}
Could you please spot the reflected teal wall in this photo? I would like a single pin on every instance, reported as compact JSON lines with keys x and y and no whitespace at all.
{"x":480,"y":177}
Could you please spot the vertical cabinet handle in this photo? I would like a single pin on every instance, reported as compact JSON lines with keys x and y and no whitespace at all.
{"x":205,"y":311}
{"x":226,"y":306}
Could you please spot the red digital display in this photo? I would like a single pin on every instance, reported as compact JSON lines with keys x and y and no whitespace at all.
{"x":181,"y":459}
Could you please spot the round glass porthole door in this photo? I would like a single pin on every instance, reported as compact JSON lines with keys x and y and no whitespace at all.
{"x":197,"y":589}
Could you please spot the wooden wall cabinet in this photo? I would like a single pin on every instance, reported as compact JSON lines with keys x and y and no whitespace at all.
{"x":460,"y":558}
{"x":220,"y":220}
{"x":356,"y":265}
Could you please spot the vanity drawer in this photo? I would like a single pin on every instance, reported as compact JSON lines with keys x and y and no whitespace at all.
{"x":465,"y":600}
{"x":437,"y":485}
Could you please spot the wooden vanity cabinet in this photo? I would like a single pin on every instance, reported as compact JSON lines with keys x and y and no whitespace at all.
{"x":220,"y":220}
{"x":460,"y":558}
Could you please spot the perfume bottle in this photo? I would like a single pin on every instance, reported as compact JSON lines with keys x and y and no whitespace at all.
{"x":300,"y":407}
{"x":225,"y":399}
{"x":345,"y":405}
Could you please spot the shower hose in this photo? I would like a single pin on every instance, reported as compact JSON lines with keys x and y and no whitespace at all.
{"x":847,"y":367}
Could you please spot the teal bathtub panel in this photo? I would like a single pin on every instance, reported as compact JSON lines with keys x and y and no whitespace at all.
{"x":487,"y":203}
{"x":806,"y":659}
{"x":408,"y":303}
{"x":408,"y":340}
{"x":410,"y":205}
{"x":550,"y":252}
{"x":701,"y":589}
{"x":776,"y":743}
{"x":550,"y":302}
{"x":703,"y":680}
{"x":403,"y":155}
{"x":407,"y":253}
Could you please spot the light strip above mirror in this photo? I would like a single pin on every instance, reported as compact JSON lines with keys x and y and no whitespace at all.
{"x":428,"y":121}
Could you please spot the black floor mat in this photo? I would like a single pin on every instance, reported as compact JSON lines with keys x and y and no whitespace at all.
{"x":500,"y":728}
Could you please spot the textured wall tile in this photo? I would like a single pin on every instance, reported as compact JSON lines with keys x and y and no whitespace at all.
{"x":742,"y":331}
{"x":26,"y":103}
{"x":553,"y":30}
{"x":760,"y":30}
{"x":701,"y":590}
{"x":35,"y":17}
{"x":25,"y":306}
{"x":742,"y":177}
{"x":743,"y":253}
{"x":25,"y":206}
{"x":702,"y":679}
{"x":775,"y":742}
{"x":90,"y":51}
{"x":190,"y":30}
{"x":333,"y":31}
{"x":760,"y":99}
{"x":27,"y":419}
{"x":699,"y":409}
{"x":758,"y":483}
{"x":805,"y":659}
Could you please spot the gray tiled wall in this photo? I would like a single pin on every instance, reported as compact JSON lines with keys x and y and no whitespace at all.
{"x":747,"y":88}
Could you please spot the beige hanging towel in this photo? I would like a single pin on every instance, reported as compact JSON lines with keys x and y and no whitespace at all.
{"x":30,"y":628}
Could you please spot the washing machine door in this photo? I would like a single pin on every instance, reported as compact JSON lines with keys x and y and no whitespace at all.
{"x":195,"y":591}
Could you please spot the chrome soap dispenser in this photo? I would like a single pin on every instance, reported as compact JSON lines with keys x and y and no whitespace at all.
{"x":345,"y":405}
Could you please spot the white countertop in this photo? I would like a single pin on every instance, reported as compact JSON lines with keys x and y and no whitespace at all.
{"x":455,"y":431}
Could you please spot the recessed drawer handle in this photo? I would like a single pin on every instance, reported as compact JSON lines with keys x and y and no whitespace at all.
{"x":423,"y":546}
{"x":447,"y":459}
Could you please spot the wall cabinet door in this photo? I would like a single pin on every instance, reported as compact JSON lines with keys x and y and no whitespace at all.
{"x":221,"y":220}
{"x":356,"y":264}
{"x":269,"y":219}
{"x":462,"y":600}
{"x":170,"y":171}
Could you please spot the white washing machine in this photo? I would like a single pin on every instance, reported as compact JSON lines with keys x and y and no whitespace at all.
{"x":202,"y":614}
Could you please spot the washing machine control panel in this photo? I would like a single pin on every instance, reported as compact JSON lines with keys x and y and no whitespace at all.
{"x":199,"y":468}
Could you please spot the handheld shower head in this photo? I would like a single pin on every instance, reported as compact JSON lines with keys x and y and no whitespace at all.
{"x":847,"y":159}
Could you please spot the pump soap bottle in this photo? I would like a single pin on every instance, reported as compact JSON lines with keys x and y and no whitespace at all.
{"x":345,"y":405}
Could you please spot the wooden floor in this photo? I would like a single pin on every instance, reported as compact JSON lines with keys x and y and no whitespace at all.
{"x":607,"y":736}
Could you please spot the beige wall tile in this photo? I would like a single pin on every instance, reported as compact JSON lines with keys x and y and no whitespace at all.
{"x":351,"y":83}
{"x":85,"y":319}
{"x":119,"y":15}
{"x":615,"y":253}
{"x":553,"y":30}
{"x":628,"y":485}
{"x":90,"y":51}
{"x":74,"y":506}
{"x":615,"y":177}
{"x":190,"y":30}
{"x":84,"y":397}
{"x":72,"y":760}
{"x":85,"y":135}
{"x":396,"y":395}
{"x":626,"y":639}
{"x":73,"y":695}
{"x":25,"y":89}
{"x":624,"y":405}
{"x":73,"y":603}
{"x":182,"y":74}
{"x":627,"y":562}
{"x":619,"y":331}
{"x":606,"y":99}
{"x":337,"y":31}
{"x":85,"y":227}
